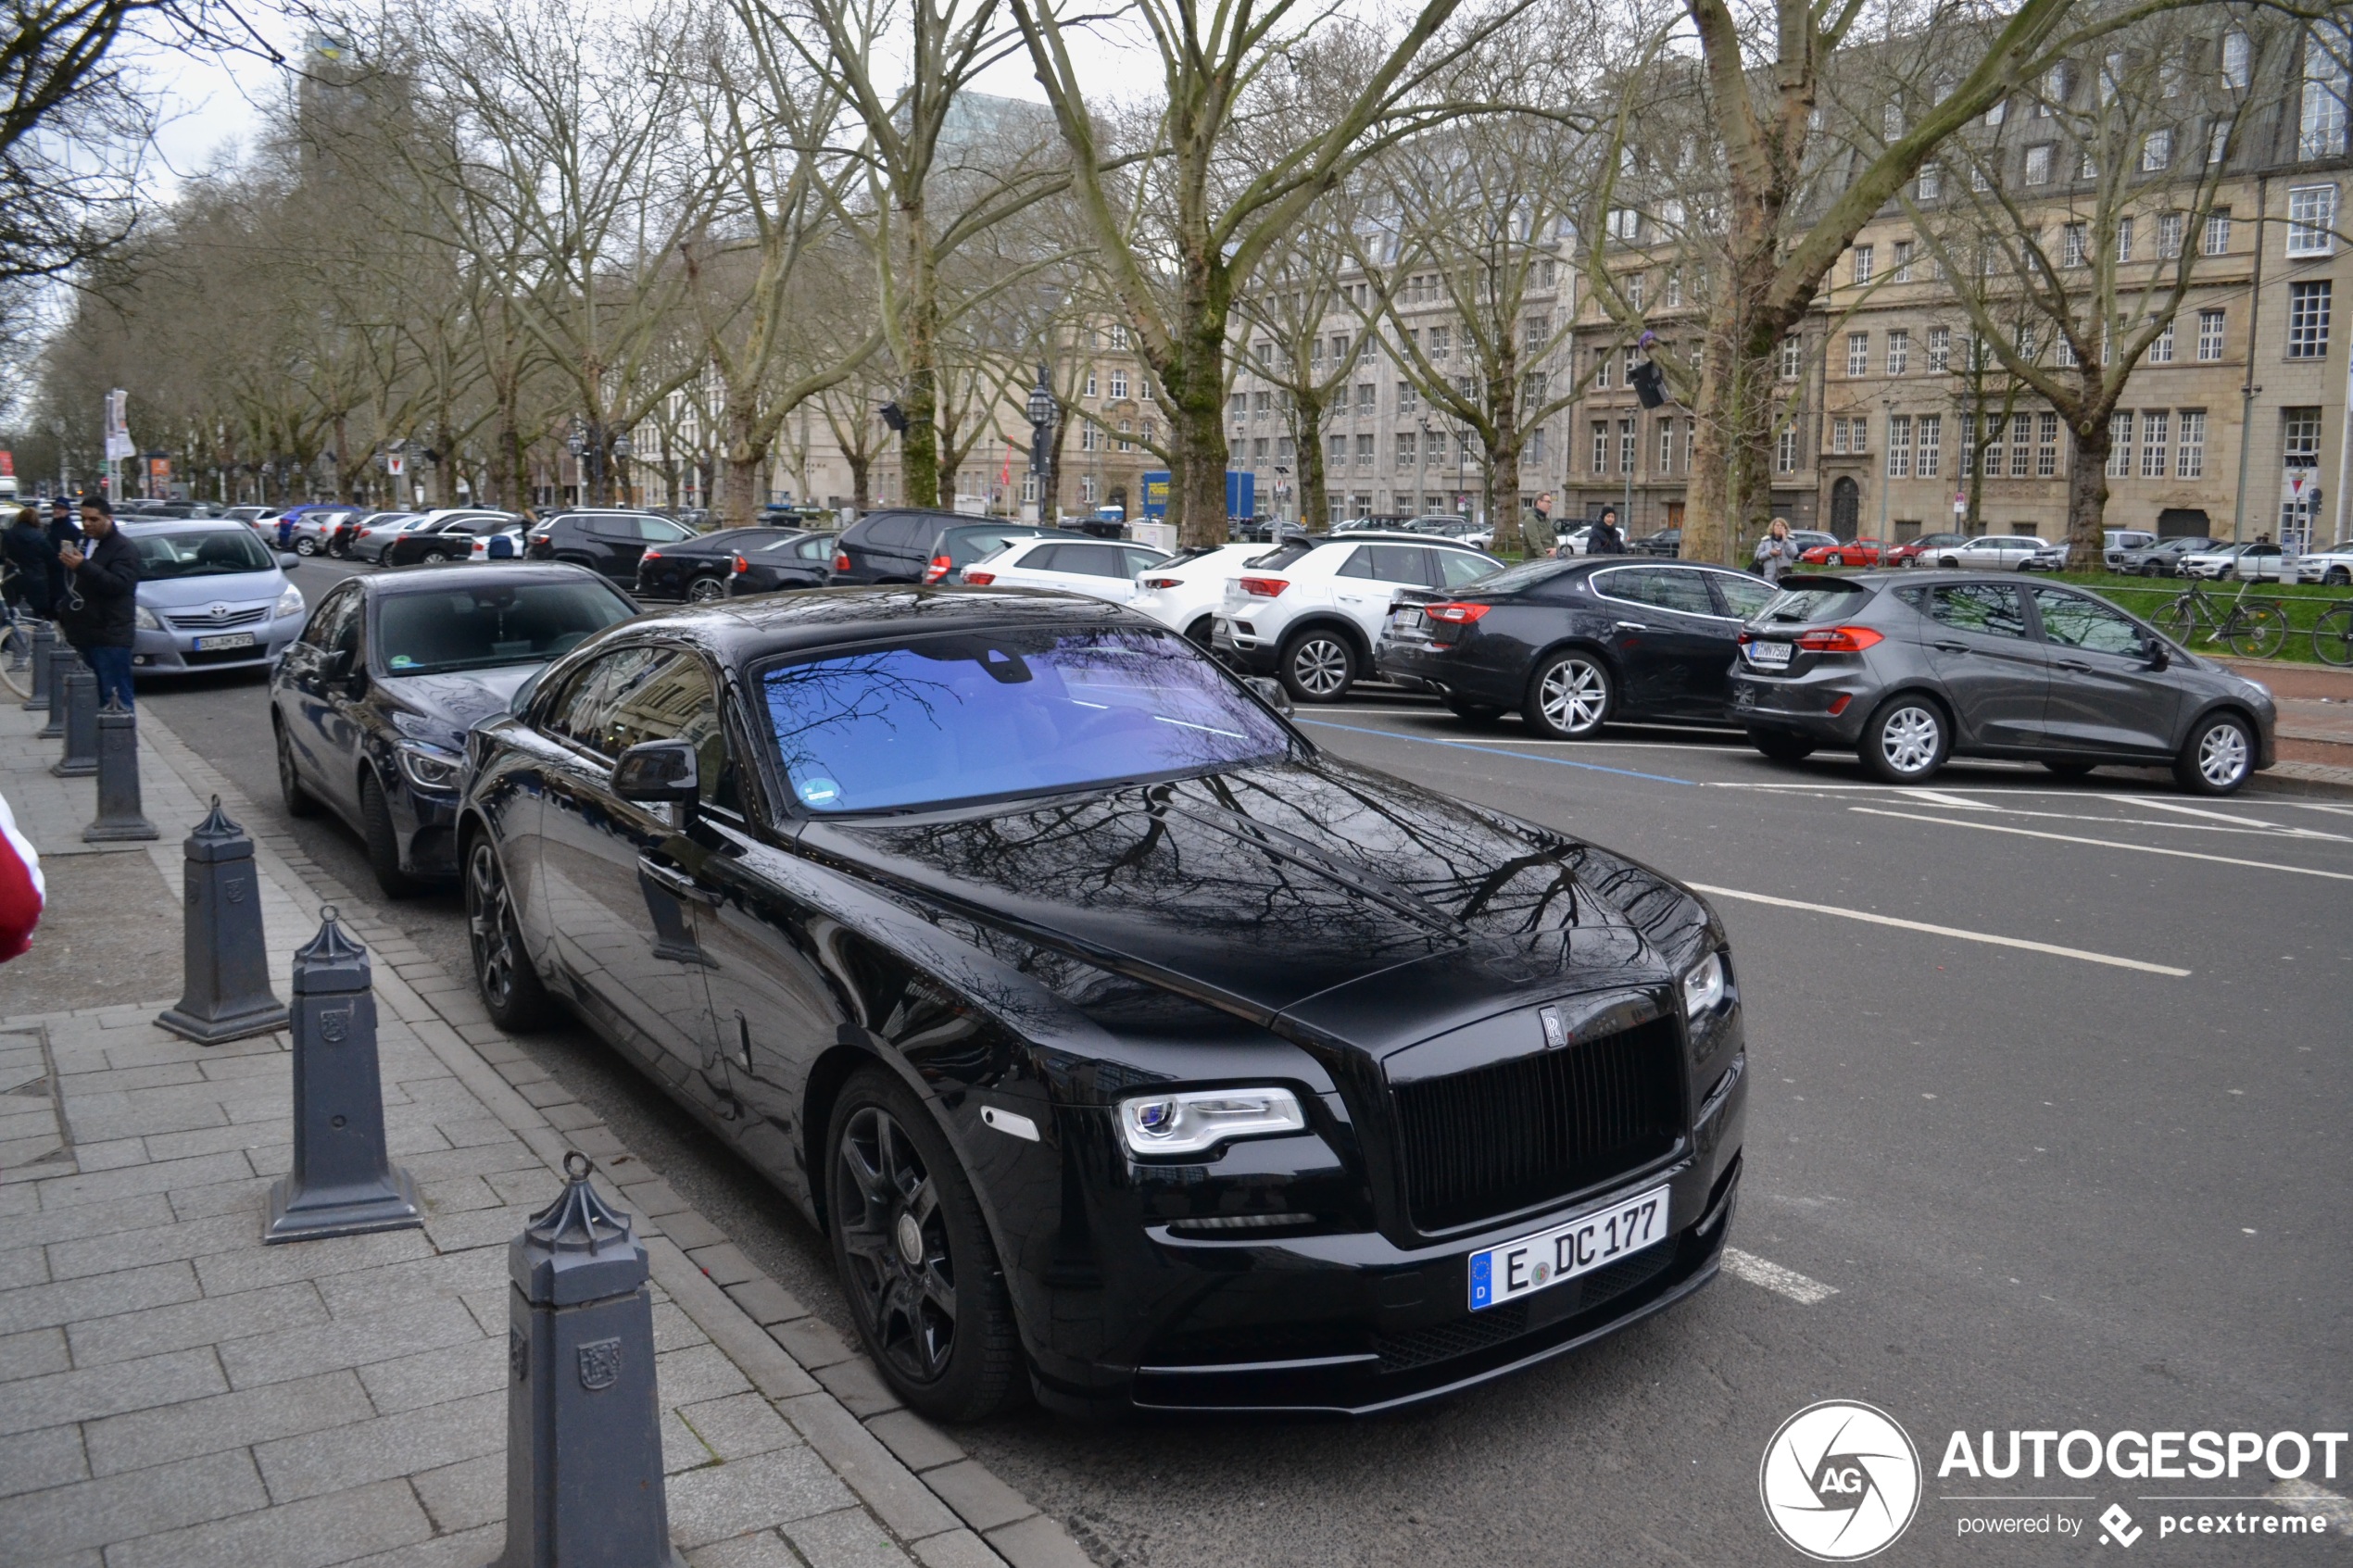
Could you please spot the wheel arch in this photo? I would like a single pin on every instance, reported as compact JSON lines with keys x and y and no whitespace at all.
{"x":1321,"y":619}
{"x":1928,"y":694}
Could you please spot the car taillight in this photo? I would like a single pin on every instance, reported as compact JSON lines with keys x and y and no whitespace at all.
{"x":742,"y":565}
{"x":979,"y":579}
{"x":1839,"y":639}
{"x":1455,"y":614}
{"x":1163,"y":582}
{"x":841,"y":560}
{"x":365,"y":531}
{"x":650,"y":555}
{"x":1264,"y":587}
{"x":937,"y":568}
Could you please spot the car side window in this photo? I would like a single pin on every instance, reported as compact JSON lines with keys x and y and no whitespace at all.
{"x":1460,"y":566}
{"x":892,"y":532}
{"x":1741,"y":598}
{"x":1679,"y":589}
{"x":2072,"y":620}
{"x":327,"y":623}
{"x":1135,"y":559}
{"x":661,"y":531}
{"x":1402,"y":564}
{"x":673,"y":699}
{"x":1090,"y":561}
{"x":1358,"y":564}
{"x":817,"y":546}
{"x":1988,"y":610}
{"x":583,"y":713}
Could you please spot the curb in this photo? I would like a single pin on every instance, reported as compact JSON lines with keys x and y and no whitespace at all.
{"x":946,"y":1508}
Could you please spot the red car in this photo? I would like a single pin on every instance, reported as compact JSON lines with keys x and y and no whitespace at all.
{"x":1909,"y":553}
{"x":1850,"y":552}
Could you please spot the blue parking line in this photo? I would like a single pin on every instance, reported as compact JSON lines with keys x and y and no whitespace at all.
{"x":1492,"y":751}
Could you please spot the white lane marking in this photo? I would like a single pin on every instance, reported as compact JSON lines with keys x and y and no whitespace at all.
{"x":2308,"y":1499}
{"x":1943,"y":799}
{"x":2166,"y":824}
{"x":2312,"y":805}
{"x":1607,"y":745}
{"x":1773,"y":1277}
{"x":2109,"y":843}
{"x":2158,"y":804}
{"x":1989,"y":938}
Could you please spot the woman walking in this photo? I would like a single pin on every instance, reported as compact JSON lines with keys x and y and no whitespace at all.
{"x":1777,"y":552}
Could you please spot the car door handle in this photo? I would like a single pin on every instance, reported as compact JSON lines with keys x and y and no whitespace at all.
{"x":1629,"y":626}
{"x":2074,"y":664}
{"x":1950,"y":647}
{"x":676,"y":883}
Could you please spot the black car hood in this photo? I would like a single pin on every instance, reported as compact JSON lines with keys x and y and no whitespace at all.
{"x":441,"y":708}
{"x":1309,"y":892}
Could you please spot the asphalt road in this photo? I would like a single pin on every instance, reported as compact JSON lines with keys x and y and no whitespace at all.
{"x":2089,"y":1175}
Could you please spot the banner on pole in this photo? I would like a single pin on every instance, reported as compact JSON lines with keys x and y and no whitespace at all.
{"x":119,"y":426}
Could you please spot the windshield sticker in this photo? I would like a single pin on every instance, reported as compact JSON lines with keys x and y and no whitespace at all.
{"x":819,"y":792}
{"x":401,"y":661}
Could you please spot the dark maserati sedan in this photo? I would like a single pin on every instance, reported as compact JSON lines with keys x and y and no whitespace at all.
{"x":1575,"y":643}
{"x":1129,"y":1050}
{"x":698,"y":568}
{"x":369,"y":707}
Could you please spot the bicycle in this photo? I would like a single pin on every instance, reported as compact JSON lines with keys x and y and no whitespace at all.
{"x":2254,"y":628}
{"x":15,"y":637}
{"x":2333,"y":634}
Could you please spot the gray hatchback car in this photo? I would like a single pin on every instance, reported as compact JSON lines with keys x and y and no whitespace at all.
{"x":1909,"y":672}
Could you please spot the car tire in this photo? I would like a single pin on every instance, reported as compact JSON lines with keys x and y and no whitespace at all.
{"x":2070,"y":770}
{"x":1471,"y":712}
{"x":436,"y":557}
{"x":703,"y":590}
{"x":511,"y":989}
{"x":914,"y":1257}
{"x":1907,"y":740}
{"x":1950,"y":564}
{"x":384,"y":844}
{"x":339,"y":552}
{"x":1199,"y":632}
{"x":2218,"y":757}
{"x":299,"y":800}
{"x":306,"y":546}
{"x":2335,"y":577}
{"x":1318,"y":665}
{"x":1781,"y":746}
{"x":1570,"y":696}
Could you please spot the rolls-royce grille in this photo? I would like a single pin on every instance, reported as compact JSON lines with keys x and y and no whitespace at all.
{"x":1515,"y":1133}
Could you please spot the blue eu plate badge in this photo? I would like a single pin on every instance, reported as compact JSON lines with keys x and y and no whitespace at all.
{"x":1482,"y":1279}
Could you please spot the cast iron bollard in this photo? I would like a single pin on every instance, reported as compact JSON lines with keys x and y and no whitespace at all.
{"x":225,"y":994}
{"x":80,"y":760}
{"x":63,"y":661}
{"x":343,"y":1183}
{"x":45,"y":647}
{"x":584,"y":1428}
{"x":120,"y":817}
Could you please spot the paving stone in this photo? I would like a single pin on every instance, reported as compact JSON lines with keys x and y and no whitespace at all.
{"x":388,"y":1446}
{"x":857,"y":1385}
{"x":725,"y":1263}
{"x":739,"y":1425}
{"x":105,"y":1186}
{"x":908,"y":1508}
{"x":253,"y":1267}
{"x":226,"y":1421}
{"x":762,"y":1549}
{"x":653,"y":1197}
{"x":217,"y":1140}
{"x":251,"y":1197}
{"x":979,"y":1498}
{"x":372,"y":1291}
{"x":92,"y":1392}
{"x":509,"y":1153}
{"x":436,"y":1376}
{"x":570,"y":1117}
{"x":35,"y":1226}
{"x":22,"y":1266}
{"x":544,"y":1092}
{"x":688,"y":1229}
{"x":766,"y":1301}
{"x":919,"y":1444}
{"x":682,"y":1447}
{"x":41,"y":1527}
{"x":460,"y":1195}
{"x":673,"y":1330}
{"x":1038,"y":1542}
{"x":127,"y":1335}
{"x":50,"y":1457}
{"x":956,"y":1548}
{"x":42,"y":1305}
{"x":112,"y":1155}
{"x":468,"y":1549}
{"x":688,"y":1377}
{"x":721,"y":1501}
{"x":126,"y":1249}
{"x":478,"y":1228}
{"x":355,"y":1341}
{"x":848,"y":1539}
{"x":335,"y":1528}
{"x":810,"y":1343}
{"x":34,"y":1353}
{"x":466,"y":1494}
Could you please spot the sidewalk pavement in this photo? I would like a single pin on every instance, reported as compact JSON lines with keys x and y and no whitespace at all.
{"x":173,"y":1393}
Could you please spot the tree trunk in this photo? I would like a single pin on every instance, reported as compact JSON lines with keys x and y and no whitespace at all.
{"x":919,"y":359}
{"x":742,"y":456}
{"x":1050,"y":483}
{"x":1197,"y":490}
{"x":861,"y":465}
{"x":2088,"y":493}
{"x":1307,"y":442}
{"x":1502,"y":482}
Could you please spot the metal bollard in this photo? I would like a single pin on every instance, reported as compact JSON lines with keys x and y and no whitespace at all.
{"x":343,"y":1183}
{"x":20,"y":643}
{"x":225,"y":993}
{"x":63,"y":662}
{"x":119,"y":818}
{"x":80,"y":760}
{"x":45,"y":647}
{"x":584,"y":1427}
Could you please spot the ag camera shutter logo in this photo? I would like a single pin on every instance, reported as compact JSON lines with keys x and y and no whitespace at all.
{"x":1840,"y":1481}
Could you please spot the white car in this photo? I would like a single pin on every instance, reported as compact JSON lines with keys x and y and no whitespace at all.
{"x":508,"y":536}
{"x":1310,"y":613}
{"x":1182,"y":592}
{"x":2332,"y":566}
{"x":2258,"y":562}
{"x":1101,"y":569}
{"x":1991,"y":552}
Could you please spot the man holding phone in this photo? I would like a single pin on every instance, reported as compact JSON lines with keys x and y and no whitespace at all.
{"x":100,"y":599}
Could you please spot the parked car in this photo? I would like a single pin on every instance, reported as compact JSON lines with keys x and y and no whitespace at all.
{"x":507,"y":540}
{"x":212,"y":595}
{"x":1843,"y":552}
{"x":441,"y":539}
{"x":1990,"y":552}
{"x":959,"y":546}
{"x":2257,"y":562}
{"x":879,"y":978}
{"x":2118,"y":543}
{"x":374,"y":536}
{"x":1310,"y":612}
{"x":790,"y":560}
{"x":2050,"y":558}
{"x":347,"y":528}
{"x":893,"y":545}
{"x":1811,"y":538}
{"x":1909,"y":552}
{"x":1462,"y":530}
{"x":1101,"y":569}
{"x":1573,"y":645}
{"x":1909,"y":672}
{"x":2332,"y":566}
{"x":251,"y":516}
{"x":370,"y":706}
{"x":699,"y":567}
{"x":605,"y":542}
{"x":1668,"y":543}
{"x":1183,"y":592}
{"x":2162,"y":557}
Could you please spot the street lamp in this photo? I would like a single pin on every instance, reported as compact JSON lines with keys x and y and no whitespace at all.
{"x":1041,"y":424}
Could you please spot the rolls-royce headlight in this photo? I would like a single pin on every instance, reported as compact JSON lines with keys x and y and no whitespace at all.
{"x":1193,"y":1120}
{"x":1702,"y":985}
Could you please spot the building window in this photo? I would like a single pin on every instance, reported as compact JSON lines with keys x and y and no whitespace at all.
{"x":1634,"y":282}
{"x":1533,"y":453}
{"x":1441,"y":342}
{"x":2218,"y":141}
{"x":2311,"y":214}
{"x":1127,"y":436}
{"x":2218,"y":232}
{"x":1838,"y":435}
{"x":1674,"y":288}
{"x":1283,"y":450}
{"x":1903,"y":253}
{"x":1088,"y":437}
{"x":1602,"y":359}
{"x":2022,"y":443}
{"x":2123,"y":239}
{"x":1929,"y":184}
{"x":2063,"y":351}
{"x":1994,"y":425}
{"x":1792,"y":358}
{"x":1785,"y":451}
{"x":1364,"y":451}
{"x":2209,"y":336}
{"x":2238,"y":59}
{"x":1118,"y":386}
{"x":2046,"y":446}
{"x":2119,"y":443}
{"x":2072,"y":247}
{"x":2308,"y":320}
{"x":1367,"y":398}
{"x":1407,"y":401}
{"x":1090,"y":383}
{"x":1861,"y":434}
{"x":2190,"y":445}
{"x":2157,"y":151}
{"x":2320,"y":128}
{"x":2161,"y":345}
{"x":1625,"y":446}
{"x":1930,"y":429}
{"x":1899,"y":350}
{"x":2168,"y":236}
{"x":1858,"y":354}
{"x":1627,"y":365}
{"x":1940,"y":350}
{"x":2038,"y":164}
{"x":1999,"y":112}
{"x":1601,"y":446}
{"x":1968,"y":445}
{"x":1533,"y":331}
{"x":1408,"y":452}
{"x":2153,"y":433}
{"x":1339,"y":451}
{"x":1625,"y":224}
{"x":1899,"y":445}
{"x":1863,"y":254}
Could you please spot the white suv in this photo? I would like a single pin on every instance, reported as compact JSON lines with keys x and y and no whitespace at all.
{"x":1183,"y":592}
{"x":1310,"y":612}
{"x":1101,"y":569}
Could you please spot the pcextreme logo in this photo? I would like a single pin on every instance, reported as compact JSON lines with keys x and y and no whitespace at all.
{"x":1840,"y":1481}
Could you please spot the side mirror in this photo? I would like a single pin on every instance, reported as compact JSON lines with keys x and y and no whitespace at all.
{"x":2159,"y":656}
{"x":288,"y":561}
{"x":656,"y":770}
{"x":1271,"y":691}
{"x":336,"y":666}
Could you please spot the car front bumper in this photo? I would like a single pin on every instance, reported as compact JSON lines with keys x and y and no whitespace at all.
{"x":174,"y":652}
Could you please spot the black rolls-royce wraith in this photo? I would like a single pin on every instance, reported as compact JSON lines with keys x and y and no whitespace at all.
{"x":1129,"y":1049}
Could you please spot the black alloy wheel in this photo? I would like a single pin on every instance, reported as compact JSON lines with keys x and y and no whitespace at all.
{"x":914,"y":1256}
{"x":1781,"y":746}
{"x":384,"y":844}
{"x":702,"y":590}
{"x":2218,"y":756}
{"x":1907,"y":740}
{"x":511,"y":989}
{"x":1570,"y":696}
{"x":1318,"y":665}
{"x":299,"y":801}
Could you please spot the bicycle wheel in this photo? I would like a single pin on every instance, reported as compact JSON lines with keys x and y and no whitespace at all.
{"x":2333,"y":636}
{"x":2257,"y":629}
{"x":2178,"y":620}
{"x":17,"y":683}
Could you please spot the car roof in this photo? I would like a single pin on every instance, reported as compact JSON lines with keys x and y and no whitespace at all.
{"x":1428,"y":541}
{"x":422,"y":579}
{"x":148,"y":522}
{"x":734,"y":631}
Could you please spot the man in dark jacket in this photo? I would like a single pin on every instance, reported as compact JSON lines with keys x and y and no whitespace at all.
{"x":34,"y":562}
{"x":62,"y":532}
{"x":102,"y":585}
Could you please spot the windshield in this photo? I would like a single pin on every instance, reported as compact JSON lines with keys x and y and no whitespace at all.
{"x":427,"y":633}
{"x":937,"y":720}
{"x":211,"y":552}
{"x":1817,"y":598}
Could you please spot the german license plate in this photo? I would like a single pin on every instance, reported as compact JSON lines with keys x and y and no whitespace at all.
{"x":1771,"y":655}
{"x":1539,"y":1262}
{"x":224,"y":640}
